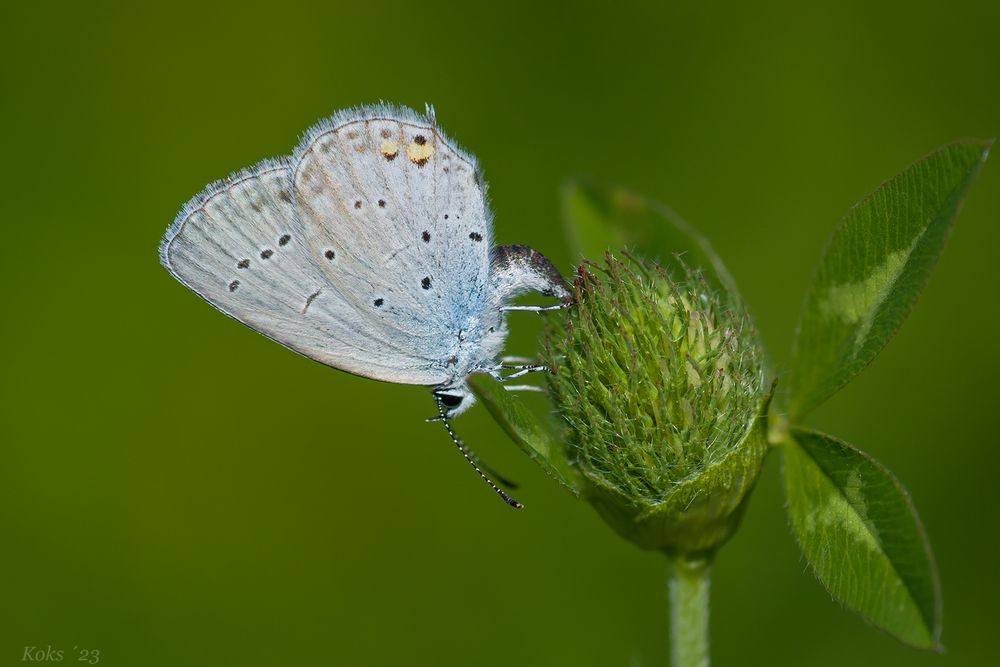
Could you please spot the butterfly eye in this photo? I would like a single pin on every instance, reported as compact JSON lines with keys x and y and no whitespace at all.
{"x":450,"y":401}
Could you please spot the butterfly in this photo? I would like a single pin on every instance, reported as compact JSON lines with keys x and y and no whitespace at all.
{"x":369,"y":249}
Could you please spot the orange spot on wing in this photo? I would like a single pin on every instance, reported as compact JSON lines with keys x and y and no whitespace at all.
{"x":389,"y":149}
{"x":419,"y":152}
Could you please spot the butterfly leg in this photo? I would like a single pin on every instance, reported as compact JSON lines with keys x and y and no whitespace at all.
{"x":521,"y":371}
{"x":517,"y":360}
{"x":534,"y":309}
{"x":525,"y":387}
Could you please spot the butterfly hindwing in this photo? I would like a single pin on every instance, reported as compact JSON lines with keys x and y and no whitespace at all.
{"x":397,"y":218}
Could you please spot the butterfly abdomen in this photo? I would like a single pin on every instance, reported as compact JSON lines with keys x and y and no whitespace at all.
{"x":518,"y":269}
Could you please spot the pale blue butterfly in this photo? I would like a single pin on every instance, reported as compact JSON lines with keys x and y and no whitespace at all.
{"x":369,"y":250}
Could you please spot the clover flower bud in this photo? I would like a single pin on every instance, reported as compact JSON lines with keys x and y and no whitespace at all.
{"x":660,"y":385}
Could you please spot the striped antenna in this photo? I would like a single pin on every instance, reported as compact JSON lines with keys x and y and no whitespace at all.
{"x":471,"y":457}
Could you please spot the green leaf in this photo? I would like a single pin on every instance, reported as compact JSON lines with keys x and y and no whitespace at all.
{"x":873,"y":270}
{"x":600,"y":218}
{"x":859,"y":531}
{"x":531,"y":435}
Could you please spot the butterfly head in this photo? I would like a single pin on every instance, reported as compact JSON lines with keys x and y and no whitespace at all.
{"x":453,"y":400}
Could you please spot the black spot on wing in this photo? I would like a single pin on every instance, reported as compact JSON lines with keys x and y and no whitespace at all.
{"x":312,"y":297}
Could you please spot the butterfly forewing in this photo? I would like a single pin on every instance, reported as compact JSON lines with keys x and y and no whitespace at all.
{"x":242,"y":247}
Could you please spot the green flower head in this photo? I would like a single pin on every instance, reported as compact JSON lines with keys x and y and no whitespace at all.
{"x":660,"y":384}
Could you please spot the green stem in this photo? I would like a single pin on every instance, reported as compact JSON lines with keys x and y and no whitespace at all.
{"x":689,"y":584}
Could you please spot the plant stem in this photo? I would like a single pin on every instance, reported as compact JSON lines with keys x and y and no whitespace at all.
{"x":689,"y":584}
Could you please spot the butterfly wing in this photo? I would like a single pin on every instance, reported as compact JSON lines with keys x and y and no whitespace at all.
{"x":395,"y":215}
{"x":242,"y":247}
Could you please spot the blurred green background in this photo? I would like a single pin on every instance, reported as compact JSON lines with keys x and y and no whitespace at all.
{"x":177,"y":490}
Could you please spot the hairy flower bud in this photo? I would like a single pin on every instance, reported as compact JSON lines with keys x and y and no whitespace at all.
{"x":660,"y":384}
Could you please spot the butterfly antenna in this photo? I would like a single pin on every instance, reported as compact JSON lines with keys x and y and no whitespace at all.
{"x":472,"y":460}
